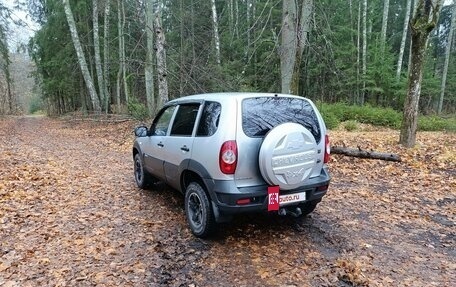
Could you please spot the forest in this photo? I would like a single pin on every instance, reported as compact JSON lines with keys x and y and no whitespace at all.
{"x":129,"y":56}
{"x":93,"y":70}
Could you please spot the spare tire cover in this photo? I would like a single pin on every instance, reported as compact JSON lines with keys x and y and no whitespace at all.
{"x":287,"y":156}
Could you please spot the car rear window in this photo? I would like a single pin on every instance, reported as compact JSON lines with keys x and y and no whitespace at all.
{"x":259,"y":115}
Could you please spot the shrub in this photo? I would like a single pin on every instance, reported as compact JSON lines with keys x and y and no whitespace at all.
{"x":137,"y":110}
{"x":351,"y":125}
{"x":362,"y":114}
{"x":434,"y":123}
{"x":331,"y":120}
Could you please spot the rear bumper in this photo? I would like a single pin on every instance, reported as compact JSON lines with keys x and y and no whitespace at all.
{"x":225,"y":194}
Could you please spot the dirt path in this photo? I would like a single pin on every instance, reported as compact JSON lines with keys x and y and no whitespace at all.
{"x":71,"y":215}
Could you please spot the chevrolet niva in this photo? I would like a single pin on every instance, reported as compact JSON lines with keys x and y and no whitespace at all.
{"x":232,"y":153}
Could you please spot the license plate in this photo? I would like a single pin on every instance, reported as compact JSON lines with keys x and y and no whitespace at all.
{"x":292,"y":198}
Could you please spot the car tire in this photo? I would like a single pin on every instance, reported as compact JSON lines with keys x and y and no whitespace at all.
{"x":199,"y":212}
{"x":142,"y":177}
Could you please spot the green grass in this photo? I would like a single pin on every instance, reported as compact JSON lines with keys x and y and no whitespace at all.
{"x":335,"y":114}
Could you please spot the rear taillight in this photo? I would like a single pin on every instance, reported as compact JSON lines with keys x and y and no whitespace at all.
{"x":228,"y":157}
{"x":327,"y":149}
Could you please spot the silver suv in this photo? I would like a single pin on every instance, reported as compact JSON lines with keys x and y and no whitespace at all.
{"x":232,"y":153}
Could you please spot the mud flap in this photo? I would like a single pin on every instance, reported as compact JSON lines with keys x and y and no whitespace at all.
{"x":219,"y":218}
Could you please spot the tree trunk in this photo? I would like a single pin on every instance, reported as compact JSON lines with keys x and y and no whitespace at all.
{"x":364,"y":153}
{"x":403,"y":40}
{"x":236,"y":23}
{"x":384,"y":25}
{"x":216,"y":32}
{"x":107,"y":98}
{"x":81,"y":58}
{"x":289,"y":46}
{"x":182,"y":48}
{"x":294,"y":39}
{"x":358,"y":55}
{"x":124,"y":58}
{"x":119,"y":72}
{"x":10,"y":94}
{"x":231,"y":17}
{"x":302,"y":39}
{"x":5,"y":65}
{"x":149,"y":68}
{"x":364,"y":53}
{"x":161,"y":60}
{"x":422,"y":24}
{"x":96,"y":42}
{"x":247,"y":49}
{"x":447,"y":57}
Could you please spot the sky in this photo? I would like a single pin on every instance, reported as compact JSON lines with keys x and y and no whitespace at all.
{"x":19,"y":35}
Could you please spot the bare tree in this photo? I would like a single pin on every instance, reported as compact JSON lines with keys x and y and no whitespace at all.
{"x":81,"y":58}
{"x":96,"y":42}
{"x":161,"y":59}
{"x":364,"y":53}
{"x":447,"y":57}
{"x":384,"y":24}
{"x":149,"y":68}
{"x":423,"y":22}
{"x":107,"y":95}
{"x":404,"y":38}
{"x":122,"y":72}
{"x":216,"y":32}
{"x":358,"y":54}
{"x":295,"y":30}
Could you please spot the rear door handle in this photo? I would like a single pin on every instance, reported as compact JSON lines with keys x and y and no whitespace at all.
{"x":185,"y":148}
{"x":160,"y":144}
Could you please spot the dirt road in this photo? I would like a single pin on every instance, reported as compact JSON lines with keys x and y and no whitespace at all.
{"x":71,"y":215}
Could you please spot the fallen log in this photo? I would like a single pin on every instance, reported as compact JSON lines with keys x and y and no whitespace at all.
{"x":358,"y":152}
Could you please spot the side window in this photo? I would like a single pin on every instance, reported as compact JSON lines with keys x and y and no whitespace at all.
{"x":209,"y":119}
{"x":161,"y":125}
{"x":185,"y":120}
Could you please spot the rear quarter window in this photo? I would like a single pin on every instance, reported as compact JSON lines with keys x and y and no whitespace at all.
{"x":259,"y":115}
{"x":209,"y":119}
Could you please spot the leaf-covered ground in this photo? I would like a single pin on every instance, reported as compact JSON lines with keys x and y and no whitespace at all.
{"x":71,"y":215}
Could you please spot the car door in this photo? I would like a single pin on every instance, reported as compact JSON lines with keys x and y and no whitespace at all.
{"x":154,"y":153}
{"x":179,"y":143}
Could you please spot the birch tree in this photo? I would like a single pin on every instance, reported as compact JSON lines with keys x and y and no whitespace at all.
{"x":295,"y":30}
{"x":403,"y":40}
{"x":161,"y":59}
{"x":123,"y":58}
{"x":447,"y":57}
{"x":96,"y":42}
{"x":81,"y":58}
{"x":107,"y":95}
{"x":364,"y":53}
{"x":423,"y":22}
{"x":216,"y":32}
{"x":149,"y":68}
{"x":121,"y":73}
{"x":384,"y":24}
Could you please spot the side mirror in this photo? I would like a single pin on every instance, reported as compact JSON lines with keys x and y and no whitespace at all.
{"x":141,"y":131}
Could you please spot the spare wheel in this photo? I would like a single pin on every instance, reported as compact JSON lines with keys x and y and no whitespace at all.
{"x":287,"y":156}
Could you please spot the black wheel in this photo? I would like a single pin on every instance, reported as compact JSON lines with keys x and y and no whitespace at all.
{"x":308,"y":207}
{"x":142,"y":177}
{"x":199,"y":211}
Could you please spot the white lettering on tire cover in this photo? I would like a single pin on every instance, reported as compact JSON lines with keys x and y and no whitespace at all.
{"x":287,"y":156}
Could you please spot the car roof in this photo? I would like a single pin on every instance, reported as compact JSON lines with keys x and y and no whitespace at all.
{"x":228,"y":95}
